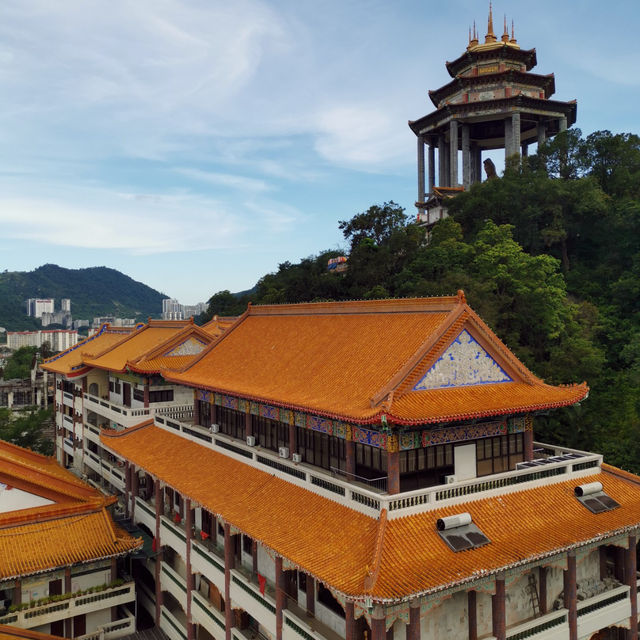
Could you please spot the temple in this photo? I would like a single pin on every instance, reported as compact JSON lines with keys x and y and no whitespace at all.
{"x":494,"y":101}
{"x":351,"y":470}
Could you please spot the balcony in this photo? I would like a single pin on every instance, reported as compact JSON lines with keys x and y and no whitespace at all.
{"x":208,"y":560}
{"x":247,"y":596}
{"x":173,"y":623}
{"x":122,"y":627}
{"x":174,"y":583}
{"x":67,"y":423}
{"x":369,"y":501}
{"x":551,"y":626}
{"x":173,"y":535}
{"x":127,"y":416}
{"x":145,"y":514}
{"x":299,"y":625}
{"x":205,"y":614}
{"x":609,"y":608}
{"x":67,"y":399}
{"x":112,"y":473}
{"x":67,"y":608}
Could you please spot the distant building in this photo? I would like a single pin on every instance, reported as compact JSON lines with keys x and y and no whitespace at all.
{"x":37,"y":306}
{"x":57,"y":317}
{"x":59,"y":339}
{"x":65,"y":305}
{"x":173,"y":310}
{"x":113,"y":321}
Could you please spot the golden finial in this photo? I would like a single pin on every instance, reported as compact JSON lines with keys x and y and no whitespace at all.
{"x":491,"y":36}
{"x":513,"y":35}
{"x":473,"y":36}
{"x":505,"y":32}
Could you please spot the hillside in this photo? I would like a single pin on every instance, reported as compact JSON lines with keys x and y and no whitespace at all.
{"x":95,"y":291}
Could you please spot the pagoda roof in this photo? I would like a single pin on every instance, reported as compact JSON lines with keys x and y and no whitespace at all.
{"x":545,"y":82}
{"x":388,"y":558}
{"x":15,"y":633}
{"x":219,"y":324}
{"x":362,"y":360}
{"x":497,"y":51}
{"x":69,"y":362}
{"x":68,"y":524}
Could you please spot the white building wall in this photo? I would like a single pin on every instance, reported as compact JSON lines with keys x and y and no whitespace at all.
{"x":484,"y":614}
{"x":332,"y":620}
{"x":448,"y":620}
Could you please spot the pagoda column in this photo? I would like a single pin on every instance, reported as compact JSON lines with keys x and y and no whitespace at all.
{"x":413,"y":628}
{"x":515,"y":133}
{"x":189,"y":533}
{"x":453,"y":153}
{"x":498,"y":616}
{"x":508,"y":137}
{"x":159,"y":495}
{"x":542,"y":576}
{"x":466,"y":158}
{"x":350,"y":455}
{"x":472,"y":614}
{"x":632,"y":581}
{"x":349,"y":620}
{"x":477,"y":161}
{"x":571,"y":596}
{"x":146,"y":393}
{"x":229,"y":563}
{"x":442,"y":162}
{"x":311,"y":594}
{"x":378,"y":626}
{"x":542,"y":133}
{"x":393,"y":472}
{"x":281,"y":597}
{"x":421,"y":197}
{"x":562,"y":124}
{"x":135,"y":487}
{"x":432,"y":167}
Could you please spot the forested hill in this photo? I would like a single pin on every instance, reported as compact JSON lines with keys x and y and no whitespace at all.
{"x":548,"y":255}
{"x":95,"y":291}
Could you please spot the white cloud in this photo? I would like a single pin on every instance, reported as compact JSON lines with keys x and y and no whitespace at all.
{"x":231,"y":181}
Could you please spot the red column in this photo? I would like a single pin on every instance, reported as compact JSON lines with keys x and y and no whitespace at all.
{"x":189,"y":527}
{"x":17,"y":592}
{"x":254,"y":557}
{"x":413,"y":628}
{"x":135,"y":488}
{"x":196,"y":409}
{"x":127,"y":488}
{"x":146,"y":393}
{"x":350,"y":463}
{"x":631,"y":580}
{"x":393,"y":472}
{"x":281,"y":597}
{"x":528,"y":445}
{"x":229,"y":563}
{"x":248,"y":431}
{"x":311,"y":595}
{"x":350,"y":620}
{"x":498,"y":611}
{"x":378,"y":630}
{"x":68,"y":623}
{"x":293,"y":440}
{"x":543,"y":589}
{"x":570,"y":596}
{"x":159,"y":495}
{"x":472,"y":615}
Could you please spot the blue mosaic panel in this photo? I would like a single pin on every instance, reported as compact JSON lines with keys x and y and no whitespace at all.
{"x":367,"y":436}
{"x":243,"y":405}
{"x":320,"y":424}
{"x":464,"y":363}
{"x":267,"y":411}
{"x":286,"y":416}
{"x":468,"y":432}
{"x":205,"y":396}
{"x":230,"y":402}
{"x":254,"y":409}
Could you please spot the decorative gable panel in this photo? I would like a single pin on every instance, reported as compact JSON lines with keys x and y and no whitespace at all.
{"x":464,"y":363}
{"x":190,"y":347}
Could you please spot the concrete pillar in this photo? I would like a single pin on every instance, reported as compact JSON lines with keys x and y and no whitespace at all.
{"x":350,"y":620}
{"x":68,"y":623}
{"x":631,"y":580}
{"x":508,"y":137}
{"x":127,"y":489}
{"x":293,"y":440}
{"x":498,"y":617}
{"x":524,"y":149}
{"x":528,"y":445}
{"x":135,"y":489}
{"x":10,"y":399}
{"x":421,"y":197}
{"x":281,"y":597}
{"x":159,"y":495}
{"x":562,"y":124}
{"x":393,"y":472}
{"x":378,"y":626}
{"x":432,"y":167}
{"x":311,"y":595}
{"x":542,"y":133}
{"x":447,"y":167}
{"x":146,"y":393}
{"x":350,"y":453}
{"x":196,"y":411}
{"x":542,"y":579}
{"x":466,"y":157}
{"x":229,"y":563}
{"x":472,"y":615}
{"x":477,"y":153}
{"x":248,"y":429}
{"x":571,"y":596}
{"x":189,"y":532}
{"x":17,"y":592}
{"x":442,"y":162}
{"x":515,"y":133}
{"x":453,"y":153}
{"x":413,"y":628}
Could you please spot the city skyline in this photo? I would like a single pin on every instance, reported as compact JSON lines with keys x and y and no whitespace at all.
{"x":195,"y":146}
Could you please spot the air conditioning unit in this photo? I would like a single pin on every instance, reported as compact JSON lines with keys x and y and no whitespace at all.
{"x":251,"y":441}
{"x":283,"y":452}
{"x":297,"y":457}
{"x":215,"y":428}
{"x":450,"y":479}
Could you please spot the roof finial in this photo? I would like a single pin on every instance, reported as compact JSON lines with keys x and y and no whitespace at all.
{"x":491,"y":36}
{"x":513,"y":34}
{"x":505,"y":32}
{"x":474,"y":41}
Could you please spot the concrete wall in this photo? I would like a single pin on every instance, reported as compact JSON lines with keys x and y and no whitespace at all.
{"x":449,"y":620}
{"x":588,"y":566}
{"x":100,"y":378}
{"x":266,"y":566}
{"x":518,"y":602}
{"x":332,"y":620}
{"x":484,"y":617}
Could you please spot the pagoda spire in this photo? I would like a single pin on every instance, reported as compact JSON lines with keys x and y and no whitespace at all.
{"x":513,"y":35}
{"x":505,"y":32}
{"x":473,"y":37}
{"x":491,"y":36}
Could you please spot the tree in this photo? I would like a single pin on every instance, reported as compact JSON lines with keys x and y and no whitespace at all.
{"x":20,"y":363}
{"x":377,"y":223}
{"x":26,"y":429}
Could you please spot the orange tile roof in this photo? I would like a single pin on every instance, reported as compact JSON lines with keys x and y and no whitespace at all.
{"x":355,"y":361}
{"x":162,"y":363}
{"x":75,"y":527}
{"x":70,"y":361}
{"x":391,"y":559}
{"x":15,"y":633}
{"x":150,"y":336}
{"x":219,"y":324}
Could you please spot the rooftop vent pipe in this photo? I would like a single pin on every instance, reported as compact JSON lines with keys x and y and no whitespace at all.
{"x":450,"y":522}
{"x":587,"y":489}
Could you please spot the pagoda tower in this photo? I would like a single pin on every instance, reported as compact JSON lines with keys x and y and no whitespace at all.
{"x":493,"y":102}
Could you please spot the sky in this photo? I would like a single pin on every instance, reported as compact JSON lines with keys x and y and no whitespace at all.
{"x":197,"y":144}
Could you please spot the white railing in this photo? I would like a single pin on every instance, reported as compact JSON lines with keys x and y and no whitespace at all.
{"x":208,"y":616}
{"x":371,"y":502}
{"x":112,"y":630}
{"x":604,"y":610}
{"x":171,"y":625}
{"x":551,"y":626}
{"x":208,"y":562}
{"x":247,"y":595}
{"x":66,"y":608}
{"x":174,"y":583}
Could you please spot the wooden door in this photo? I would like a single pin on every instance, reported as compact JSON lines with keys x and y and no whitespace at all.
{"x":126,"y":394}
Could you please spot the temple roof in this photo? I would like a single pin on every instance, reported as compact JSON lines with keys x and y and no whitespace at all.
{"x":15,"y":633}
{"x":51,"y":519}
{"x":219,"y":324}
{"x":357,"y":361}
{"x":390,"y":559}
{"x":69,"y":362}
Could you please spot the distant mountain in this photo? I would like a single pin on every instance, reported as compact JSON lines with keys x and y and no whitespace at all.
{"x":96,"y":291}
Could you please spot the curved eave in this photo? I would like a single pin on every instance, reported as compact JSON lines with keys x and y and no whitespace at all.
{"x":444,"y":114}
{"x":527,"y":56}
{"x":546,"y":82}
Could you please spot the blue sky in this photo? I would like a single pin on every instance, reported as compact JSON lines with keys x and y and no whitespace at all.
{"x":196,"y":144}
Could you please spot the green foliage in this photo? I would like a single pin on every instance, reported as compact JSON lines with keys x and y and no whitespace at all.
{"x":20,"y":363}
{"x":377,"y":223}
{"x":96,"y":291}
{"x":26,"y":429}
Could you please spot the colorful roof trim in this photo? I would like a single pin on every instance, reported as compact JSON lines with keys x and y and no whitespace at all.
{"x":359,"y":361}
{"x":389,"y":559}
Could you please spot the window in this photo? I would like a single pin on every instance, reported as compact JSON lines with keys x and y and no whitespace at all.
{"x":162,"y":395}
{"x":371,"y":462}
{"x":247,"y":544}
{"x":425,"y":467}
{"x":205,"y":413}
{"x":270,"y":434}
{"x":138,"y":394}
{"x":232,"y":422}
{"x":499,"y":454}
{"x":320,"y":449}
{"x":326,"y":598}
